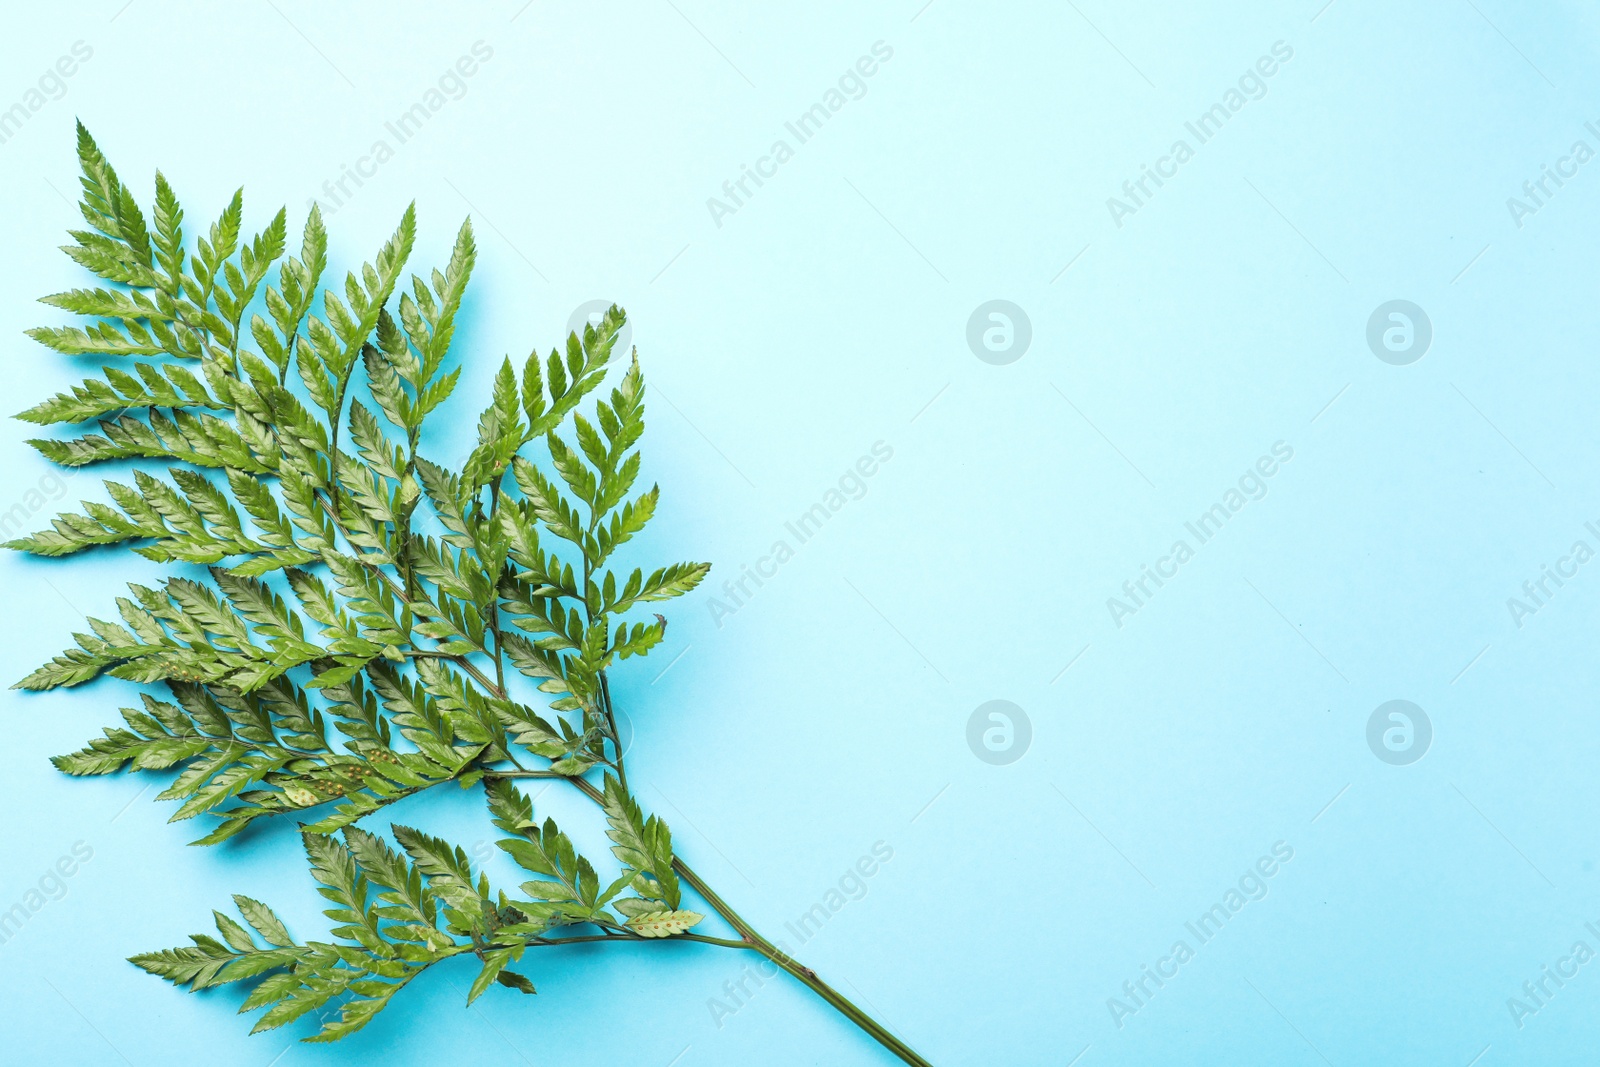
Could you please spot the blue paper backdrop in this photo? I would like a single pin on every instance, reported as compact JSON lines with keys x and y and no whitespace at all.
{"x":1180,"y":741}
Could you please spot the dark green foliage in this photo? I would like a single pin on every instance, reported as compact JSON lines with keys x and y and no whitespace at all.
{"x":365,"y":611}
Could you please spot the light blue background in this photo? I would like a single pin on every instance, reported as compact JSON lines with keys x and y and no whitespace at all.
{"x":829,"y":313}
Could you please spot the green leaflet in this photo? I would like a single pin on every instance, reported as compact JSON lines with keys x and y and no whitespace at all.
{"x":664,"y":923}
{"x":644,"y":846}
{"x":568,"y":883}
{"x":494,"y":970}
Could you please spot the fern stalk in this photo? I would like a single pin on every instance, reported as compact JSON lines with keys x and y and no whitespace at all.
{"x":330,"y":660}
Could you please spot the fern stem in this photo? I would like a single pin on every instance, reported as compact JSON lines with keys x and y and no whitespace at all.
{"x":494,"y":609}
{"x":805,"y":975}
{"x":611,"y":723}
{"x":523,"y":774}
{"x":403,"y":533}
{"x":620,"y":938}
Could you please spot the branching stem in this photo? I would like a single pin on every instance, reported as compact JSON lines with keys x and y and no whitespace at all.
{"x":753,"y":939}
